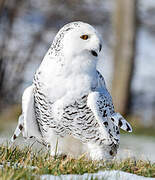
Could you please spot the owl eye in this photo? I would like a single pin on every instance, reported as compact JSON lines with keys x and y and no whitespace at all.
{"x":84,"y":37}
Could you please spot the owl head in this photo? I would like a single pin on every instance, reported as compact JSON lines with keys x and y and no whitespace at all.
{"x":77,"y":45}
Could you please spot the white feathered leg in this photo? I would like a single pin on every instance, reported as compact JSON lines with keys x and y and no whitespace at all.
{"x":97,"y":152}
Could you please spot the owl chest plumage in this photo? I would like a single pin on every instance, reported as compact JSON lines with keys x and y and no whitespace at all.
{"x":75,"y":118}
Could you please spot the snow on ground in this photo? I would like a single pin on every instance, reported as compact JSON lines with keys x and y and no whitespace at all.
{"x":104,"y":175}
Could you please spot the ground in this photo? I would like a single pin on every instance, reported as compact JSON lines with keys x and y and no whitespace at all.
{"x":17,"y":163}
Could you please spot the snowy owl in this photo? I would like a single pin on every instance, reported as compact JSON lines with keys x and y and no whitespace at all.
{"x":68,"y":107}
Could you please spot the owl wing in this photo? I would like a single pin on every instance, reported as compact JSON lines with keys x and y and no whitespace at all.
{"x":100,"y":102}
{"x":102,"y":86}
{"x":27,"y":124}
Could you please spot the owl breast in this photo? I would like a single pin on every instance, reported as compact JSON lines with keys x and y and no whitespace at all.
{"x":76,"y":119}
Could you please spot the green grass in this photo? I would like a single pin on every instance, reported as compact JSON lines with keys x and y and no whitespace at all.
{"x":141,"y":131}
{"x":17,"y":164}
{"x":139,"y":128}
{"x":9,"y":116}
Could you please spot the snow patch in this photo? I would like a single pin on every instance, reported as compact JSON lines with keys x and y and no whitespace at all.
{"x":108,"y":175}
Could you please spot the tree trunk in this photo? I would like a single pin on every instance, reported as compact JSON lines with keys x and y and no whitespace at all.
{"x":124,"y":51}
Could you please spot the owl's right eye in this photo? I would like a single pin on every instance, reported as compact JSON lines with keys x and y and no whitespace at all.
{"x":84,"y":37}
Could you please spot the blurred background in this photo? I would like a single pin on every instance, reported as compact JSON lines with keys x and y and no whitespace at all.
{"x":27,"y":29}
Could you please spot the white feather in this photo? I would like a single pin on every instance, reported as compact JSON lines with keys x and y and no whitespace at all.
{"x":30,"y":125}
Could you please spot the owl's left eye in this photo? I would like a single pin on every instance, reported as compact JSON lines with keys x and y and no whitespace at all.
{"x":84,"y":37}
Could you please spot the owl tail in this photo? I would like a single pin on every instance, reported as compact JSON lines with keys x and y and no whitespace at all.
{"x":18,"y":129}
{"x":119,"y":121}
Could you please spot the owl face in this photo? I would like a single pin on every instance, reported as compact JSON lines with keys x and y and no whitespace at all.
{"x":82,"y":41}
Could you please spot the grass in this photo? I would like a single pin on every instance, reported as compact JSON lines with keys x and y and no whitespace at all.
{"x":139,"y":128}
{"x":9,"y":116}
{"x":24,"y":163}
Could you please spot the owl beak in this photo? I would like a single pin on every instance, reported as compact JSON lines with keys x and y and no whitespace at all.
{"x":94,"y":53}
{"x":100,"y":47}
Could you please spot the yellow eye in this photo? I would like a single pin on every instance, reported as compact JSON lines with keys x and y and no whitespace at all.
{"x":84,"y":37}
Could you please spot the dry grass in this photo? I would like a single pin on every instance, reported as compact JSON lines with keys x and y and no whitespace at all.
{"x":26,"y":164}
